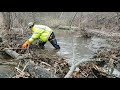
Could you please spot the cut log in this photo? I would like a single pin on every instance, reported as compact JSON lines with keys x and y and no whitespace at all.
{"x":13,"y":54}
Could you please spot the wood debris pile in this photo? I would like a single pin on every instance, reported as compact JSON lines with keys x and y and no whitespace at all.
{"x":42,"y":60}
{"x":105,"y":64}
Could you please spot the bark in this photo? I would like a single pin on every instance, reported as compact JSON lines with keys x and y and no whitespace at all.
{"x":12,"y":53}
{"x":73,"y":67}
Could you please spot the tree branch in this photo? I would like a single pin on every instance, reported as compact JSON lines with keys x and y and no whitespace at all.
{"x":73,"y":67}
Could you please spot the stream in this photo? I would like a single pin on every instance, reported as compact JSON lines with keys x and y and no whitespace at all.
{"x":73,"y":49}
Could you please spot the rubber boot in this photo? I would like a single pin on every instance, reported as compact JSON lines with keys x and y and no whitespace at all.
{"x":41,"y":45}
{"x":54,"y":43}
{"x":1,"y":39}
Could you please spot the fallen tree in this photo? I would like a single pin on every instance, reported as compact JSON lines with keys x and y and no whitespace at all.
{"x":102,"y":65}
{"x":103,"y":33}
{"x":73,"y":67}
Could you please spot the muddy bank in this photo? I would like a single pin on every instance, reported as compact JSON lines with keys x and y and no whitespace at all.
{"x":103,"y":33}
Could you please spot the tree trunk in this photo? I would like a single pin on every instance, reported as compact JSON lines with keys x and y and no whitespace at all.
{"x":12,"y":53}
{"x":7,"y":20}
{"x":73,"y":67}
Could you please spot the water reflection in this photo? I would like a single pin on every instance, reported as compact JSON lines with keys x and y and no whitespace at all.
{"x":75,"y":48}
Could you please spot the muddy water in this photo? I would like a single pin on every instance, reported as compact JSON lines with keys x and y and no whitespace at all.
{"x":73,"y":49}
{"x":6,"y":70}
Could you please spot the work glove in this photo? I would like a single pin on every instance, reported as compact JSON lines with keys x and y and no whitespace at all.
{"x":25,"y":44}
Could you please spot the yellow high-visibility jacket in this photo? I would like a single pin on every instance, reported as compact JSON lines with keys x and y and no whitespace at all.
{"x":40,"y":32}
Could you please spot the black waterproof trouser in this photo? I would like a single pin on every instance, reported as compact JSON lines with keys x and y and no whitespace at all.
{"x":52,"y":40}
{"x":1,"y":39}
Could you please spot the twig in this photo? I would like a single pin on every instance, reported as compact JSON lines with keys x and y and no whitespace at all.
{"x":25,"y":66}
{"x":73,"y":19}
{"x":45,"y":64}
{"x":22,"y":73}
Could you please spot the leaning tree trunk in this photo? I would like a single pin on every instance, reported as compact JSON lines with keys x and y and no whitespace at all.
{"x":7,"y":20}
{"x":118,"y":20}
{"x":1,"y":25}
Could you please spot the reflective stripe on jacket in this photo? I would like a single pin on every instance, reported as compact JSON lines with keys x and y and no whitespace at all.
{"x":40,"y":32}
